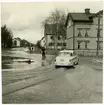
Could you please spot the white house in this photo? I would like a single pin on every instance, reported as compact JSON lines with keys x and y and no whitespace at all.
{"x":16,"y":42}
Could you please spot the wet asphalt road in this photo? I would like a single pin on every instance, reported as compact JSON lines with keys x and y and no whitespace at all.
{"x":81,"y":84}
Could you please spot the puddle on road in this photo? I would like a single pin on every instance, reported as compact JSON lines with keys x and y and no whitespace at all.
{"x":19,"y":63}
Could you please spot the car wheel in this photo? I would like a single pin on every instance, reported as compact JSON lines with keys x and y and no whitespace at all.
{"x":77,"y":63}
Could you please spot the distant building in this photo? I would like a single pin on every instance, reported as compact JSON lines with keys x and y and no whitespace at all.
{"x":16,"y":42}
{"x":82,"y":32}
{"x":24,"y":43}
{"x":36,"y":49}
{"x":49,"y":34}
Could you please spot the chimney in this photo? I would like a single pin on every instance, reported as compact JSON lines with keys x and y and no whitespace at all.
{"x":87,"y":11}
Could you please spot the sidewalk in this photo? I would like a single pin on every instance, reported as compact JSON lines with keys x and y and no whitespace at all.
{"x":97,"y":60}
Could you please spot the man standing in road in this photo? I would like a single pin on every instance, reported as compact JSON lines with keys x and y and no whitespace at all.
{"x":43,"y":54}
{"x":43,"y":47}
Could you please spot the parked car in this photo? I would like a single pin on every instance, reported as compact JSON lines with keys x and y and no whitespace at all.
{"x":66,"y":58}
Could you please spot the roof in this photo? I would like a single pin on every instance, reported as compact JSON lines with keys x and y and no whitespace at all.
{"x":82,"y":17}
{"x":98,"y":13}
{"x":79,"y":17}
{"x":50,"y":29}
{"x":17,"y":39}
{"x":70,"y":51}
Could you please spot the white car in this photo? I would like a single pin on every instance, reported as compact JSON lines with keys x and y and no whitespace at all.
{"x":66,"y":58}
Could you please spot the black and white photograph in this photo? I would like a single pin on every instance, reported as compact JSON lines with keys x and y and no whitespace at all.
{"x":52,"y":52}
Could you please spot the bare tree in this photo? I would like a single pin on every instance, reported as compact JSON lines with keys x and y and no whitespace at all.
{"x":57,"y":17}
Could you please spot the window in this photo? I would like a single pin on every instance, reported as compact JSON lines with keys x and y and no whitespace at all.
{"x":59,"y":44}
{"x":64,"y":44}
{"x":79,"y":34}
{"x":86,"y":34}
{"x":65,"y":53}
{"x":79,"y":44}
{"x":15,"y":42}
{"x":59,"y":37}
{"x":99,"y":45}
{"x":99,"y":32}
{"x":86,"y":44}
{"x":51,"y":44}
{"x":51,"y":37}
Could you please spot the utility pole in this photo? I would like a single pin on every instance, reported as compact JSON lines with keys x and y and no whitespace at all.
{"x":56,"y":35}
{"x":98,"y":35}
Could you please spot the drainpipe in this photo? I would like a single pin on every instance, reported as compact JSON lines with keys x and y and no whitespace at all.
{"x":98,"y":35}
{"x":45,"y":35}
{"x":73,"y":36}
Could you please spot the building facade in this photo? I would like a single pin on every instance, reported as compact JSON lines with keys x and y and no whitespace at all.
{"x":85,"y":33}
{"x":49,"y":34}
{"x":16,"y":42}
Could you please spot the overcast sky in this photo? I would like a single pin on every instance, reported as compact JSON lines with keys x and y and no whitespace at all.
{"x":24,"y":19}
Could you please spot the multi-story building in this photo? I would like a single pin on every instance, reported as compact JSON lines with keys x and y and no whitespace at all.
{"x":49,"y":34}
{"x":85,"y":32}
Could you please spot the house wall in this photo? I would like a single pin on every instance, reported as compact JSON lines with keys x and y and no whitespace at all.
{"x":69,"y":35}
{"x":51,"y":40}
{"x":69,"y":43}
{"x":91,"y":45}
{"x":92,"y":36}
{"x":17,"y":43}
{"x":95,"y":25}
{"x":91,"y":29}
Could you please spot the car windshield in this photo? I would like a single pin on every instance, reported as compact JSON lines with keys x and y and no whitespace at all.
{"x":65,"y":53}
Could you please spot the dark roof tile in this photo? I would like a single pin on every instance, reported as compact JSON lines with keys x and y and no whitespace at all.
{"x":80,"y":16}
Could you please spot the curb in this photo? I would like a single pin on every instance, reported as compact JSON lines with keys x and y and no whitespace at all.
{"x":97,"y":61}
